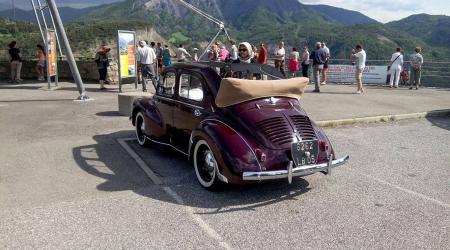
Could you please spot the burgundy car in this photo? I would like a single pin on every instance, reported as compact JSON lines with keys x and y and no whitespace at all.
{"x":234,"y":130}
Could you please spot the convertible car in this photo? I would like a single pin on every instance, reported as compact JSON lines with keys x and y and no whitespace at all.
{"x":234,"y":130}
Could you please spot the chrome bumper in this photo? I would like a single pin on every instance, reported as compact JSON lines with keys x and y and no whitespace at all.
{"x":291,"y":172}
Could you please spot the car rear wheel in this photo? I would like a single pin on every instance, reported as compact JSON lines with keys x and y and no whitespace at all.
{"x":140,"y":128}
{"x":206,"y":166}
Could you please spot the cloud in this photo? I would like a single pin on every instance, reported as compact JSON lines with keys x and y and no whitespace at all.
{"x":389,"y":10}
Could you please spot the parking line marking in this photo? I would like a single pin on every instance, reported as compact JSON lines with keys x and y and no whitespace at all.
{"x":148,"y":171}
{"x":156,"y":180}
{"x":198,"y":219}
{"x":438,"y":202}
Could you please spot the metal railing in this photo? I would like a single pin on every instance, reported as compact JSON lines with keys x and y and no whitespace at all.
{"x":434,"y":73}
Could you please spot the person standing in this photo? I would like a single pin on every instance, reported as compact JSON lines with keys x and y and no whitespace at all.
{"x":305,"y":62}
{"x":233,"y":50}
{"x":293,"y":62}
{"x":182,"y":54}
{"x":166,"y":56}
{"x":213,"y":53}
{"x":223,"y":53}
{"x":352,"y":57}
{"x":318,"y":57}
{"x":396,"y":67}
{"x":325,"y":65}
{"x":159,"y":56}
{"x":416,"y":68}
{"x":102,"y":60}
{"x":147,"y":59}
{"x":40,"y":66}
{"x":279,"y":55}
{"x":262,"y":54}
{"x":195,"y":57}
{"x":360,"y":64}
{"x":16,"y":62}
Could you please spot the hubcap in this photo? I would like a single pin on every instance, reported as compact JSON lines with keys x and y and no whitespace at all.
{"x":210,"y":163}
{"x":140,"y":127}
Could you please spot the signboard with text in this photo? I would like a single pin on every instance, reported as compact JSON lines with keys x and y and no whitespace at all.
{"x":51,"y":52}
{"x":346,"y":74}
{"x":126,"y":53}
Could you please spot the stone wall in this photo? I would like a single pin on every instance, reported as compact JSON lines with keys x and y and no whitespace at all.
{"x":88,"y":71}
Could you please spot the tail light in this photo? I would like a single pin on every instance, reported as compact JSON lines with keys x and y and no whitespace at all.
{"x":260,"y":155}
{"x":323,"y":145}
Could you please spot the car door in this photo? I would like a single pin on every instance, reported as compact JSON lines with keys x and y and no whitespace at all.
{"x":191,"y":108}
{"x":165,"y":103}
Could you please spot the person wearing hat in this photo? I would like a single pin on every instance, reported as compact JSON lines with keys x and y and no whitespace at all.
{"x":319,"y":57}
{"x":102,"y":60}
{"x":195,"y":57}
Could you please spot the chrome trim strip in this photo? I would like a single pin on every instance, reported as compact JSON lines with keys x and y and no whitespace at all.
{"x":299,"y":171}
{"x":185,"y":103}
{"x":246,"y":143}
{"x":166,"y":144}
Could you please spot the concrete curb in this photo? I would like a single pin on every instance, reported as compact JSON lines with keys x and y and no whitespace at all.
{"x":383,"y":118}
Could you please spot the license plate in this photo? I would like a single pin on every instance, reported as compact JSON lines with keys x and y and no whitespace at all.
{"x":305,"y":152}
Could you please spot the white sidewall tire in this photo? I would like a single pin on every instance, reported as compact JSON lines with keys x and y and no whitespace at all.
{"x":142,"y":141}
{"x":214,"y":179}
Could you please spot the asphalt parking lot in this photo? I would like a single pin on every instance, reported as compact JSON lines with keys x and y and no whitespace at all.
{"x":66,"y":182}
{"x":392,"y":194}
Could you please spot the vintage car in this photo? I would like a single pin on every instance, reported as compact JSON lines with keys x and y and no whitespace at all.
{"x":234,"y":130}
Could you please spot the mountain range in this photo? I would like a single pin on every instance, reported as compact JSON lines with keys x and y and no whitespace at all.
{"x":266,"y":21}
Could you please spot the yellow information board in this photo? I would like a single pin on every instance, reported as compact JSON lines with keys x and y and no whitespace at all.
{"x":126,"y":50}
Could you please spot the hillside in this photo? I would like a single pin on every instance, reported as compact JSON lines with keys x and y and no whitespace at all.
{"x":269,"y":21}
{"x":435,"y":30}
{"x":342,"y":16}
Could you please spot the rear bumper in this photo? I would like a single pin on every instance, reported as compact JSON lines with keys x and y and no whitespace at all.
{"x":291,"y":171}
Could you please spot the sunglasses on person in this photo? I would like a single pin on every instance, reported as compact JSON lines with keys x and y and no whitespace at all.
{"x":243,"y":50}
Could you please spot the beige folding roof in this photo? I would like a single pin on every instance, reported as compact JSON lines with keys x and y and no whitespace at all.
{"x":233,"y":91}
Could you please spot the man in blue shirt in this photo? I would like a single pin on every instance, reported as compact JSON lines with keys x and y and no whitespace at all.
{"x":319,"y":57}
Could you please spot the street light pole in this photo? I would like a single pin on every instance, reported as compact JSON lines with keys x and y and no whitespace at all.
{"x":70,"y":59}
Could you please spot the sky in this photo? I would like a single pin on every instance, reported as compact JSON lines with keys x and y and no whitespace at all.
{"x":380,"y":10}
{"x":389,"y":10}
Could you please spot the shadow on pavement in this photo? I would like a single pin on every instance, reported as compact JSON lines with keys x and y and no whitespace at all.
{"x":109,"y":113}
{"x":34,"y":100}
{"x":441,"y":122}
{"x":107,"y":160}
{"x":20,"y":87}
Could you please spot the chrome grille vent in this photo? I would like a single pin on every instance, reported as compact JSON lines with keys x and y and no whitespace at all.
{"x":276,"y":130}
{"x":304,"y":127}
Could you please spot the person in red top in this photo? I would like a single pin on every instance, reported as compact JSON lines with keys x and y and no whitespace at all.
{"x":262,"y":55}
{"x":40,"y":66}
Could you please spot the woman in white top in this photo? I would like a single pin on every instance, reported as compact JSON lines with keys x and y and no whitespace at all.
{"x":396,"y":68}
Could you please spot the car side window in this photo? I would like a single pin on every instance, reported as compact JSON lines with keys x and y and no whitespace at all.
{"x":191,"y":87}
{"x":167,"y":86}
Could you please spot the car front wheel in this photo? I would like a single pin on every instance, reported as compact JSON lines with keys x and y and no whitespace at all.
{"x":140,"y":128}
{"x":206,"y":166}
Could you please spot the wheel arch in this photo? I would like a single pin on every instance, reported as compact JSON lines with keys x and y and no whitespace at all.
{"x":234,"y":154}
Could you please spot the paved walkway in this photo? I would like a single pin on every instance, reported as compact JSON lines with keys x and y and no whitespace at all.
{"x":333,"y":103}
{"x":339,"y":101}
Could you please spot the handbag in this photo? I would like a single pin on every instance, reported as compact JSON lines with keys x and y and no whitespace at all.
{"x":389,"y":66}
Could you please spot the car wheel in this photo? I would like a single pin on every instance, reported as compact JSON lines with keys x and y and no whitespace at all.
{"x":140,"y":128}
{"x":206,"y":166}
